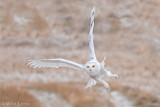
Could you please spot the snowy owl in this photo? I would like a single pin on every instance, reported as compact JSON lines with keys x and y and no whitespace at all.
{"x":93,"y":68}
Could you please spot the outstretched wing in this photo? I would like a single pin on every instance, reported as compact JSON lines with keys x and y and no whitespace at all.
{"x":54,"y":63}
{"x":91,"y":44}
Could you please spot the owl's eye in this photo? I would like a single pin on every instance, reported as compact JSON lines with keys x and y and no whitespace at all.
{"x":93,"y":66}
{"x":87,"y":66}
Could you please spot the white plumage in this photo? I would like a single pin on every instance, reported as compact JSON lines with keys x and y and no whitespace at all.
{"x":93,"y":68}
{"x":54,"y":63}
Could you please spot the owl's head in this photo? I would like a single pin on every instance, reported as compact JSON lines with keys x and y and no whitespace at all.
{"x":92,"y":67}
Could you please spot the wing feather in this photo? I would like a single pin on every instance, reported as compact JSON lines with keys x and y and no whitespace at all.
{"x":54,"y":63}
{"x":91,"y":44}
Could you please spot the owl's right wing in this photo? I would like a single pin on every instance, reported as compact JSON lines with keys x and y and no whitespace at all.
{"x":54,"y":63}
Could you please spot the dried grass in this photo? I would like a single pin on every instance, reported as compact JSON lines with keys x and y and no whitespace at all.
{"x":75,"y":94}
{"x":139,"y":97}
{"x":15,"y":94}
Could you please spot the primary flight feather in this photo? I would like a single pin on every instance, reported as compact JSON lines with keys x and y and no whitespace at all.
{"x":93,"y":68}
{"x":54,"y":63}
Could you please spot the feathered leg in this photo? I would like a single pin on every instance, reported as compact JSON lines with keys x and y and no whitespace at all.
{"x":110,"y":75}
{"x":91,"y":82}
{"x":106,"y":85}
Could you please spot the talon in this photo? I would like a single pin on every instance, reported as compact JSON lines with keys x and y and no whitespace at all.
{"x":108,"y":88}
{"x":114,"y":76}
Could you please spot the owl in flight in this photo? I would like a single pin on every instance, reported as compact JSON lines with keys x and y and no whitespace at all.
{"x":93,"y":68}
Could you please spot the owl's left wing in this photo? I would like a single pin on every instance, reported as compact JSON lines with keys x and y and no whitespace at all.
{"x":54,"y":63}
{"x":91,"y":44}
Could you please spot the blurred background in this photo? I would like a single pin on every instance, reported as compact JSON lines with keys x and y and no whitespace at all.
{"x":126,"y":32}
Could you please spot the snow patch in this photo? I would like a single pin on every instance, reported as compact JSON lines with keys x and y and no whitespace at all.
{"x":50,"y":99}
{"x":120,"y":100}
{"x":50,"y":76}
{"x":20,"y":20}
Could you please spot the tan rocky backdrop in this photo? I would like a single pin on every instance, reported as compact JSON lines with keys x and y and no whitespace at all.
{"x":127,"y":32}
